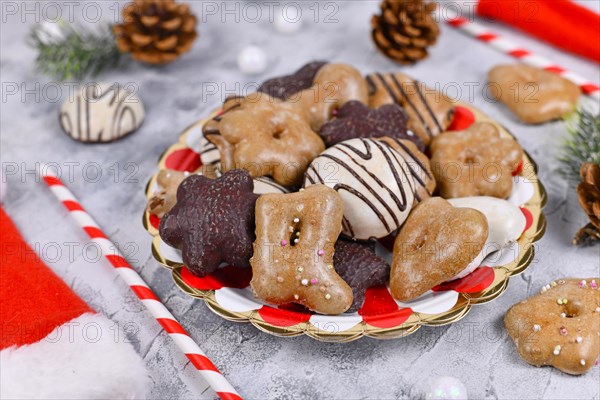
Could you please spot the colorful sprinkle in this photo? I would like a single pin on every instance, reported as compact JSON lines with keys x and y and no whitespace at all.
{"x":296,"y":220}
{"x":594,"y":285}
{"x":537,"y":328}
{"x":563,"y":315}
{"x":582,"y":283}
{"x":296,"y":297}
{"x":300,"y":269}
{"x":330,"y":266}
{"x":296,"y":240}
{"x":321,"y":252}
{"x":314,"y":281}
{"x":559,"y":301}
{"x":579,"y":339}
{"x":553,"y":284}
{"x":563,"y":331}
{"x":327,"y":296}
{"x":582,"y":362}
{"x":598,"y":309}
{"x":304,"y":282}
{"x":284,"y":242}
{"x":556,"y":350}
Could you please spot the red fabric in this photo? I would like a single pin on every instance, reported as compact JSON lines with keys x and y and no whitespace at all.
{"x":560,"y":22}
{"x":33,"y":299}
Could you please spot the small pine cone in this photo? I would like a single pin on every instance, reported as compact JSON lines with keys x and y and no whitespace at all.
{"x":155,"y":31}
{"x":404,"y":29}
{"x":588,"y":192}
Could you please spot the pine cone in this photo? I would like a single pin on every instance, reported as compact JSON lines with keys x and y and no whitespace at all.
{"x":589,"y":198}
{"x":405,"y":29}
{"x":155,"y":31}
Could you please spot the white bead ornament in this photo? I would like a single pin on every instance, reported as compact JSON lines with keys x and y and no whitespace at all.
{"x":287,"y":22}
{"x":252,"y":60}
{"x":446,"y":387}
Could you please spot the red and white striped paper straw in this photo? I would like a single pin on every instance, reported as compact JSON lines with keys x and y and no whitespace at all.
{"x":183,"y":340}
{"x":483,"y":34}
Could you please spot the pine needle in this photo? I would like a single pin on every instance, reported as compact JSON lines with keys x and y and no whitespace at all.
{"x":70,"y":52}
{"x":581,"y":145}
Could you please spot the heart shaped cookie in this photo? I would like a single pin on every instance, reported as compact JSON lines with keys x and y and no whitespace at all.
{"x":436,"y":242}
{"x":532,"y":94}
{"x":505,"y":224}
{"x":560,"y":326}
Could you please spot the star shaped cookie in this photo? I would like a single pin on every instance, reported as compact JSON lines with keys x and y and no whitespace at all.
{"x":212,"y":222}
{"x":356,"y":120}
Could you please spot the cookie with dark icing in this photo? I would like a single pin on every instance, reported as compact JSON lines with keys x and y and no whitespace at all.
{"x":356,"y":120}
{"x":358,"y":265}
{"x":212,"y":222}
{"x":559,"y":326}
{"x":374,"y":181}
{"x":429,"y":111}
{"x":284,"y":87}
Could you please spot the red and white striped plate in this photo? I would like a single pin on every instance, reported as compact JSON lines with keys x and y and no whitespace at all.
{"x":226,"y":292}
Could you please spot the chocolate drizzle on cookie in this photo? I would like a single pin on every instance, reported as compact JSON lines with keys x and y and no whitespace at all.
{"x":78,"y":118}
{"x":353,"y":160}
{"x":408,"y":93}
{"x":419,"y":171}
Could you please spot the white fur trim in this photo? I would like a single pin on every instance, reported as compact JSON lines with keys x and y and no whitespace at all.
{"x":84,"y":358}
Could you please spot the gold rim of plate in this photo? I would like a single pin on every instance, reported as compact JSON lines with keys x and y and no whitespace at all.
{"x":464,"y":301}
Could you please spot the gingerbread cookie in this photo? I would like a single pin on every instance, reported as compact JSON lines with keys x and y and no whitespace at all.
{"x":212,"y":222}
{"x":356,"y":120}
{"x":293,"y":251}
{"x":374,"y":182}
{"x":437,"y":242}
{"x":475,"y":162}
{"x":418,"y":165}
{"x":429,"y":112}
{"x":334,"y":85}
{"x":532,"y":94}
{"x":560,"y":326}
{"x":358,"y":265}
{"x":164,"y":200}
{"x":266,"y":136}
{"x":286,"y":86}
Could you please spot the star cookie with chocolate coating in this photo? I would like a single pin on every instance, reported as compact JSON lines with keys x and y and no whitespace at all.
{"x":212,"y":222}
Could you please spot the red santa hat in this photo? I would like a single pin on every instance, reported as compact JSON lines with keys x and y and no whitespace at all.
{"x":53,"y":345}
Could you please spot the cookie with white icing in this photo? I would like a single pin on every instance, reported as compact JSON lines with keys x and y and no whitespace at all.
{"x":374,"y":182}
{"x":264,"y":185}
{"x":505,"y":224}
{"x":101,"y":113}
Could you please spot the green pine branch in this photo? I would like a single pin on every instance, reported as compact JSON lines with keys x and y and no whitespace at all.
{"x":69,"y":52}
{"x":582,"y":144}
